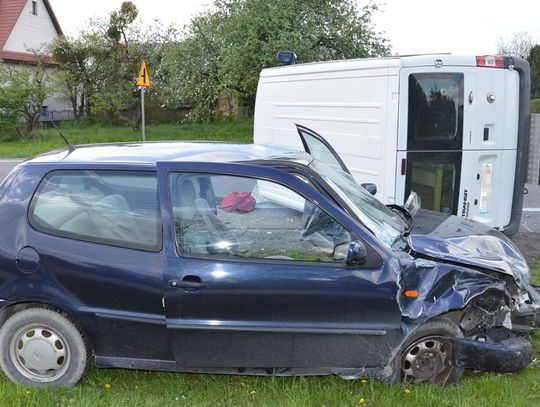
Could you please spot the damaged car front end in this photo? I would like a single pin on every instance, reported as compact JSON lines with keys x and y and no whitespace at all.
{"x":464,"y":289}
{"x":461,"y":271}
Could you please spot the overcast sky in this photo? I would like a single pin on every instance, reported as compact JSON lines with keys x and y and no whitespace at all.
{"x":412,"y":26}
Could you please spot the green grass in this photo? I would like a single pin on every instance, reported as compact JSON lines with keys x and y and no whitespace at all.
{"x":49,"y":139}
{"x":137,"y":388}
{"x":535,"y":271}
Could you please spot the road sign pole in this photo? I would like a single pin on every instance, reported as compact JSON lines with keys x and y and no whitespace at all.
{"x":143,"y":82}
{"x":142,"y":116}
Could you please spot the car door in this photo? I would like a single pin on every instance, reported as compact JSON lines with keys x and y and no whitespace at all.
{"x":98,"y":235}
{"x":253,"y":288}
{"x":320,"y":149}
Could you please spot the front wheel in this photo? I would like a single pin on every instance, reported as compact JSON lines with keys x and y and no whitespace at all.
{"x":41,"y":348}
{"x":428,"y":354}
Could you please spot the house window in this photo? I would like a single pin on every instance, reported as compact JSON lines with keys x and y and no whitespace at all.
{"x":34,"y":8}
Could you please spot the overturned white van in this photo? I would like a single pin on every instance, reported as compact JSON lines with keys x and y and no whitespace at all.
{"x":454,"y":129}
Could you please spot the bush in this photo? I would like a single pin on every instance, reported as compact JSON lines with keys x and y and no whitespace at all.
{"x":535,"y":106}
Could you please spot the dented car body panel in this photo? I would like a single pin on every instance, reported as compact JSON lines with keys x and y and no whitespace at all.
{"x":161,"y":307}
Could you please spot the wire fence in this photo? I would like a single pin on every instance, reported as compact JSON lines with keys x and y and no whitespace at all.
{"x":56,"y":116}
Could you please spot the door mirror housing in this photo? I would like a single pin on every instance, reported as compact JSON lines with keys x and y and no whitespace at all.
{"x":371,"y":188}
{"x":355,"y":253}
{"x":286,"y":57}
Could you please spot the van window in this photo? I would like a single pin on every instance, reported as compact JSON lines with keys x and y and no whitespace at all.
{"x":435,"y":111}
{"x":118,"y":208}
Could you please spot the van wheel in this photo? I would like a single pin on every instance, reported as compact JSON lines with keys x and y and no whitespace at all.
{"x":42,"y":348}
{"x":427,"y":355}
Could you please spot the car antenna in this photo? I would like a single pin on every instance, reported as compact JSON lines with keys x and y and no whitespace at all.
{"x":68,"y":144}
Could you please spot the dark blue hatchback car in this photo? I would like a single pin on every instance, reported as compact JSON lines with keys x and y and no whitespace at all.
{"x":245,"y":259}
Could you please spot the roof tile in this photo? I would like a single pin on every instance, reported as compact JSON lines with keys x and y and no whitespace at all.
{"x":10,"y":10}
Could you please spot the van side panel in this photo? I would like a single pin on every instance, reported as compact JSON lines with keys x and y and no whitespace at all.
{"x":354,"y":108}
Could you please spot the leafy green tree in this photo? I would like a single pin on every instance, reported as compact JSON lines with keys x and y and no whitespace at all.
{"x":100,"y":66}
{"x":534,"y":62}
{"x":81,"y":61}
{"x":226,"y":48}
{"x":23,"y":92}
{"x":191,"y":68}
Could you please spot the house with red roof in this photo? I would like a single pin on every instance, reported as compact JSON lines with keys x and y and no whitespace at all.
{"x":26,"y":27}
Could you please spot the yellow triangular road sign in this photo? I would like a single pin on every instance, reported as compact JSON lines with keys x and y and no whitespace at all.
{"x":144,"y":77}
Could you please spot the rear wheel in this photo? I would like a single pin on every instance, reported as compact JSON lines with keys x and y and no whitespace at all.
{"x":428,"y":355}
{"x":40,"y":347}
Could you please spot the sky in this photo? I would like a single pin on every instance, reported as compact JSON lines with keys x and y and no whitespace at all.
{"x":412,"y":26}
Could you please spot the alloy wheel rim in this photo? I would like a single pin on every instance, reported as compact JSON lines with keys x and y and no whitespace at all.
{"x":39,"y":353}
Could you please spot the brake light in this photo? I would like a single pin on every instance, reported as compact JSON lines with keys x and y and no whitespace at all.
{"x":490,"y":61}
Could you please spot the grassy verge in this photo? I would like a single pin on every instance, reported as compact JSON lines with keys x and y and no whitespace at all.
{"x":535,"y":271}
{"x":137,"y":388}
{"x":49,"y":139}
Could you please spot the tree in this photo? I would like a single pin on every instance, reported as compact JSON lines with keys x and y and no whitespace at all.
{"x":225,"y":49}
{"x":100,"y":65}
{"x":534,"y":62}
{"x":24,"y":90}
{"x":519,"y":45}
{"x":81,"y":60}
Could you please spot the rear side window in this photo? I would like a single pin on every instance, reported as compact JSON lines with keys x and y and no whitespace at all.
{"x":118,"y":208}
{"x":435,"y":111}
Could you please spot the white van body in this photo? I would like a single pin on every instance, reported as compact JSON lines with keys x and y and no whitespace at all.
{"x":454,"y":132}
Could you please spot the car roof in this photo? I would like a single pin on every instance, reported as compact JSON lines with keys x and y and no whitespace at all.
{"x":153,"y":152}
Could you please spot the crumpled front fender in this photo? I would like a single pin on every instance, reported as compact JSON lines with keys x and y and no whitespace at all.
{"x":440,"y":287}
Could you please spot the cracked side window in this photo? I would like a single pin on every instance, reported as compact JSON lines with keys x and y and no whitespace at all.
{"x":231,"y":216}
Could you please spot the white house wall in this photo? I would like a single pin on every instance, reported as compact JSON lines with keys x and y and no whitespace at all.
{"x":31,"y":32}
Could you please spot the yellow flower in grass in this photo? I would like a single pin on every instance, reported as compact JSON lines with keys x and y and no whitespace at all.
{"x":407,"y":391}
{"x":362,"y":401}
{"x":364,"y":381}
{"x":107,"y":386}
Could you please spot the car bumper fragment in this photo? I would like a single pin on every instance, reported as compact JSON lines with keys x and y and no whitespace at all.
{"x":508,"y":356}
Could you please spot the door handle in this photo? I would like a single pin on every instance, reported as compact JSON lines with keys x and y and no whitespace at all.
{"x":188,"y":283}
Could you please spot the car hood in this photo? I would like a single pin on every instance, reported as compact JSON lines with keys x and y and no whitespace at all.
{"x":461,"y":240}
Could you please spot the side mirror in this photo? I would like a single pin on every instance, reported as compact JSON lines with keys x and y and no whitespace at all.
{"x":355,"y":253}
{"x":371,"y":188}
{"x":286,"y":57}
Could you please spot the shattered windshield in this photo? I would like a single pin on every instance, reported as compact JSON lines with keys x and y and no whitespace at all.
{"x":385,"y":224}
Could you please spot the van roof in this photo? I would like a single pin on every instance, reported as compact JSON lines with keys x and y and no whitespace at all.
{"x":371,"y":63}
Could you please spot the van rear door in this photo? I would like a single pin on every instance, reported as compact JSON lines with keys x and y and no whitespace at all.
{"x":457,"y":141}
{"x":490,"y":148}
{"x":434,"y":121}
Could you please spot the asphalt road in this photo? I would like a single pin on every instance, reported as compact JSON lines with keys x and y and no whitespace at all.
{"x":528,"y":237}
{"x":6,"y":165}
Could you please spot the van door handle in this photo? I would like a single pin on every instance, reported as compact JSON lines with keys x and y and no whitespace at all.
{"x":189,"y":283}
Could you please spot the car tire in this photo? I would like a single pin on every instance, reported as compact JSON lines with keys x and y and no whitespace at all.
{"x":427,"y":354}
{"x":42,"y":348}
